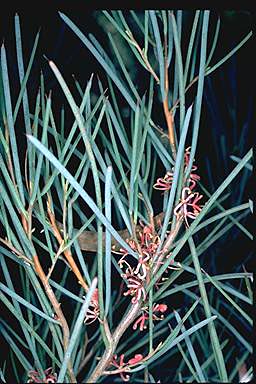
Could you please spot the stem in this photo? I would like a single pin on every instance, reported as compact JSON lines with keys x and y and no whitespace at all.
{"x":67,"y":252}
{"x":57,"y":309}
{"x":186,"y":89}
{"x":168,"y":242}
{"x":88,"y":239}
{"x":167,"y":112}
{"x":144,"y":57}
{"x":50,"y":294}
{"x":130,"y":316}
{"x":109,"y":352}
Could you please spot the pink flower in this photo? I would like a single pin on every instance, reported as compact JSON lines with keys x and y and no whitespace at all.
{"x":138,"y":357}
{"x":145,"y":316}
{"x":160,"y":308}
{"x":93,"y":311}
{"x":193,"y":178}
{"x":164,"y":184}
{"x":188,"y":207}
{"x":50,"y":377}
{"x":115,"y":361}
{"x":141,"y":322}
{"x":142,"y":266}
{"x":122,"y":366}
{"x":136,"y":288}
{"x":145,"y":246}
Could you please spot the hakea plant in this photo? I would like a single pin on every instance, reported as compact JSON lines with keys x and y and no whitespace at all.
{"x":95,"y":302}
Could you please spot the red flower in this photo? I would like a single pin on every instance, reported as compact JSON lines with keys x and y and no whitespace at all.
{"x":120,"y":365}
{"x":146,"y":246}
{"x":160,"y":308}
{"x":136,"y":288}
{"x":142,"y":266}
{"x":193,"y":178}
{"x":141,"y":321}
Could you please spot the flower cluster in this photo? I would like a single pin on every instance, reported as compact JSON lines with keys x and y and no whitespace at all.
{"x":93,"y":311}
{"x":165,"y":183}
{"x":145,"y":316}
{"x":50,"y":377}
{"x":188,"y":206}
{"x":135,"y":285}
{"x":145,"y":246}
{"x":193,"y":178}
{"x":122,"y":366}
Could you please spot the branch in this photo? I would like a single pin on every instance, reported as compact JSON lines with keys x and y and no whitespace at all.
{"x":167,"y":112}
{"x":88,"y":240}
{"x":66,"y":252}
{"x":129,"y":317}
{"x":51,"y":296}
{"x":143,"y":56}
{"x":57,"y":309}
{"x":109,"y":352}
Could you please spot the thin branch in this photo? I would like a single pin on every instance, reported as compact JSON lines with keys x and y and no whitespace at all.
{"x":88,"y":239}
{"x":50,"y":294}
{"x":167,"y":112}
{"x":128,"y":318}
{"x":143,"y":56}
{"x":109,"y":352}
{"x":168,"y":243}
{"x":19,"y":254}
{"x":66,"y":252}
{"x":57,"y":309}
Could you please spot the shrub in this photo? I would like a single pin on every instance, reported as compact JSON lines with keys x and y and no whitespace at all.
{"x":126,"y":292}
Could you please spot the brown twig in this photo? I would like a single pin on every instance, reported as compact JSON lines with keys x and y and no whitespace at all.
{"x":167,"y":112}
{"x":50,"y":294}
{"x":167,"y":244}
{"x":88,"y":240}
{"x":109,"y":352}
{"x":16,"y":251}
{"x":143,"y":56}
{"x":57,"y":309}
{"x":66,"y":252}
{"x":86,"y":359}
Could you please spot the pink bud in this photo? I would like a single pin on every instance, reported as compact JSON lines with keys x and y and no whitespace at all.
{"x":138,"y":357}
{"x":160,"y":308}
